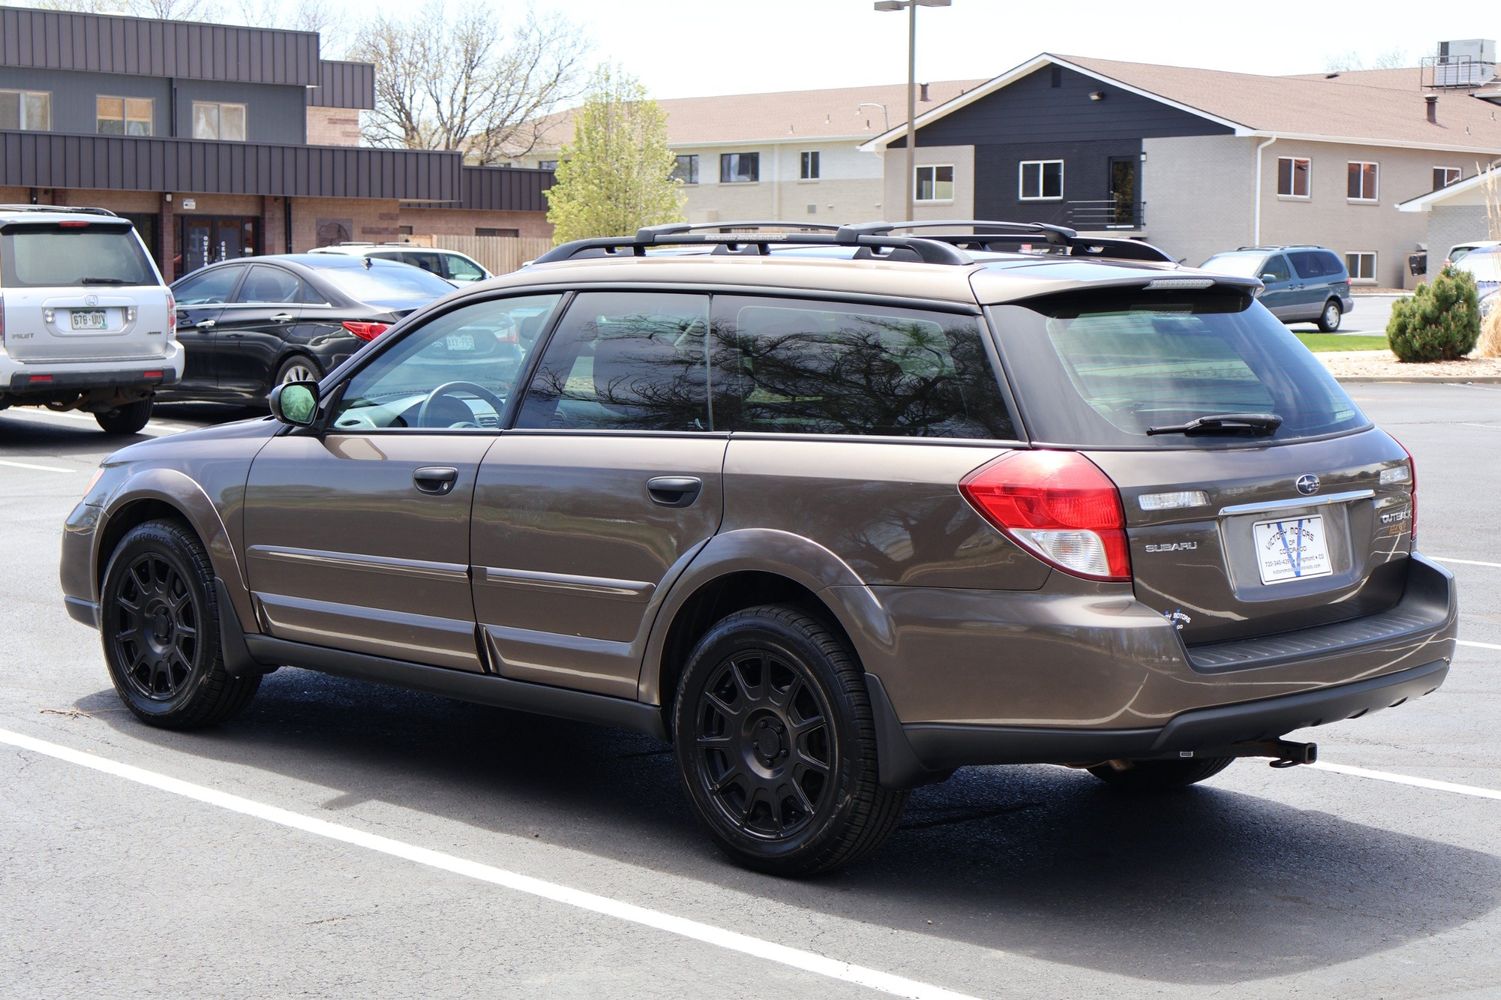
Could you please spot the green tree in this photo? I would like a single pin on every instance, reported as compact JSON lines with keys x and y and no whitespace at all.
{"x":1440,"y":322}
{"x":616,"y":174}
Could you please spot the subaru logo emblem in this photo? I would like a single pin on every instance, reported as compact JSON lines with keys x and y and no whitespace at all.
{"x":1308,"y":484}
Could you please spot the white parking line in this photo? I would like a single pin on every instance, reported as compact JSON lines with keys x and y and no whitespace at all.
{"x":1477,"y":645}
{"x":795,"y":958}
{"x":1465,"y":562}
{"x":1404,"y":779}
{"x":38,"y":468}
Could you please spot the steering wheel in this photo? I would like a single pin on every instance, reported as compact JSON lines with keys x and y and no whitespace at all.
{"x":496,"y":403}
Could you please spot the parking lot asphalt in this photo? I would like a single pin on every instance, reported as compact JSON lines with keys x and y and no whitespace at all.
{"x":345,"y":839}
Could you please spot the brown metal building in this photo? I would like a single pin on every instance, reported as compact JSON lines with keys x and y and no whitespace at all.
{"x":222,"y":141}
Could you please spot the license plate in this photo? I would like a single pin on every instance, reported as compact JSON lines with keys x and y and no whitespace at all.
{"x":88,"y":319}
{"x":1294,"y":548}
{"x":460,"y":341}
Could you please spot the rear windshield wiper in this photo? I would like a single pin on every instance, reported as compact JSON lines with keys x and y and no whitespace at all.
{"x":105,"y":281}
{"x":1251,"y":424}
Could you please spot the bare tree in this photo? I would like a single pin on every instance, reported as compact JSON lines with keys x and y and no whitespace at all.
{"x":1393,"y":58}
{"x":174,"y":10}
{"x":462,"y":80}
{"x":321,"y":16}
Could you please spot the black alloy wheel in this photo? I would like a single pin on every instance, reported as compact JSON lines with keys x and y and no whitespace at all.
{"x":776,"y":744}
{"x":159,"y":621}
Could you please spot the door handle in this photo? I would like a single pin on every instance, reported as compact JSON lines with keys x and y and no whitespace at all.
{"x":204,"y":324}
{"x":281,"y":318}
{"x":435,"y":479}
{"x":674,"y":491}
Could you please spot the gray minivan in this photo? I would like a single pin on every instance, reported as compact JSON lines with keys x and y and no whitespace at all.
{"x":1304,"y":284}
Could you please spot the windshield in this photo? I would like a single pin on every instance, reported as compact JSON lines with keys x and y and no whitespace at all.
{"x":389,"y":286}
{"x":1103,"y":370}
{"x":51,"y":256}
{"x":1485,"y":265}
{"x":1242,"y":265}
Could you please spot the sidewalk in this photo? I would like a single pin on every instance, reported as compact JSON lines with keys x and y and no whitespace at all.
{"x":1383,"y":366}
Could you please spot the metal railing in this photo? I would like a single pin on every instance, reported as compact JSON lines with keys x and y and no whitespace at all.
{"x":1106,"y":213}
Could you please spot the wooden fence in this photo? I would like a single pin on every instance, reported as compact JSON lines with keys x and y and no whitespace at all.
{"x":499,"y":254}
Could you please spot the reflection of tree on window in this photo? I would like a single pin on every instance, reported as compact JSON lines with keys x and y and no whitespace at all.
{"x":822,"y":371}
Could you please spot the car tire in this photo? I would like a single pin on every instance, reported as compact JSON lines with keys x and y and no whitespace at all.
{"x":775,"y":743}
{"x":1160,"y":775}
{"x":1330,"y":318}
{"x":127,"y":419}
{"x":298,"y":368}
{"x":159,"y":621}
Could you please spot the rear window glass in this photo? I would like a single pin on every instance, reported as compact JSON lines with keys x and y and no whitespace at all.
{"x":390,"y":286}
{"x":801,"y":367}
{"x":50,"y":256}
{"x":1101,"y":372}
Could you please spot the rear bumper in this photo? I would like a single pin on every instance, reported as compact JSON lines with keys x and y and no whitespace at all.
{"x":45,"y":380}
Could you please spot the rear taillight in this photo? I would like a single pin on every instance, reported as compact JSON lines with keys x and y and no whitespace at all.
{"x":1059,"y":506}
{"x":1412,"y":475}
{"x":366,"y":331}
{"x":171,"y":316}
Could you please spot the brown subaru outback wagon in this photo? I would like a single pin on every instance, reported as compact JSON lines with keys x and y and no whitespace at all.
{"x":836,"y":512}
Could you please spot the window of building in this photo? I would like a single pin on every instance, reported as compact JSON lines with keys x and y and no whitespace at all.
{"x":25,"y":109}
{"x":739,"y":168}
{"x":482,"y":231}
{"x":1363,"y":181}
{"x":809,"y":168}
{"x":685,"y":168}
{"x":1361,"y":265}
{"x":933,"y":183}
{"x":547,"y":164}
{"x":1041,"y":180}
{"x":123,"y":115}
{"x":1292,"y":176}
{"x":404,"y":230}
{"x":222,"y":122}
{"x":1444,"y":176}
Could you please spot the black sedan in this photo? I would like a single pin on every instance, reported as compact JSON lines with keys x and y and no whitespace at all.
{"x":249,"y":324}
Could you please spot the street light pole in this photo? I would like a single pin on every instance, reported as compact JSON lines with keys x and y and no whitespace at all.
{"x":911,"y":7}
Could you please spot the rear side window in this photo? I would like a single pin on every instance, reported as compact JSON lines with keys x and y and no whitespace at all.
{"x":624,"y":361}
{"x":1101,"y":371}
{"x":1314,"y":263}
{"x":803,"y":367}
{"x":48,"y":256}
{"x":272,"y":285}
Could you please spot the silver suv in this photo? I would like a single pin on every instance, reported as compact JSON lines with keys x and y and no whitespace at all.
{"x":86,"y":321}
{"x":834,"y":512}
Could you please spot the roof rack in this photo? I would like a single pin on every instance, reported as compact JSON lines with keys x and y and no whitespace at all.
{"x":1010,"y":236}
{"x":74,"y":209}
{"x":753,"y":238}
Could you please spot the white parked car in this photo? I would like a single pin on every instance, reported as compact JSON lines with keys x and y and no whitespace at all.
{"x":456,"y":267}
{"x":86,"y":321}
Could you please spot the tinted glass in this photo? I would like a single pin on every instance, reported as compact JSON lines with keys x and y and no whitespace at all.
{"x":477,"y":350}
{"x":624,"y":361}
{"x":460,"y":269}
{"x":44,"y":256}
{"x":1099,"y":371}
{"x":270,"y":284}
{"x":1314,"y":263}
{"x":207,"y":287}
{"x":386,"y":284}
{"x":829,"y":368}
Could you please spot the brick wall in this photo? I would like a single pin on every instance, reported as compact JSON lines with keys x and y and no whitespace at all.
{"x":462,"y":222}
{"x":333,"y":127}
{"x":367,"y":221}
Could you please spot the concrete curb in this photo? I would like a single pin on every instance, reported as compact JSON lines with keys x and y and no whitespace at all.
{"x":1422,"y":379}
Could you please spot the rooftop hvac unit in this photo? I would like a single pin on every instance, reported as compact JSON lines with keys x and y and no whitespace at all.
{"x":1468,"y":62}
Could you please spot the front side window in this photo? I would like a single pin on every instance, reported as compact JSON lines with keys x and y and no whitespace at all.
{"x":123,"y":115}
{"x":1444,"y":176}
{"x":206,"y":288}
{"x":1362,"y":266}
{"x":808,"y":170}
{"x":462,"y":268}
{"x":224,"y":122}
{"x":739,"y":168}
{"x":933,"y":183}
{"x":685,"y":168}
{"x":25,"y":109}
{"x":455,"y":372}
{"x":1292,"y":176}
{"x":1041,"y":180}
{"x":624,"y":361}
{"x":1362,"y":181}
{"x":796,"y":367}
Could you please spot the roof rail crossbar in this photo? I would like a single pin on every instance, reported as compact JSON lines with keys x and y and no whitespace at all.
{"x":928,"y":251}
{"x":74,"y":209}
{"x":1059,"y":235}
{"x":676,"y":228}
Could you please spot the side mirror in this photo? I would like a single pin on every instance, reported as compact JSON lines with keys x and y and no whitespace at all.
{"x":295,"y":403}
{"x":1269,"y":278}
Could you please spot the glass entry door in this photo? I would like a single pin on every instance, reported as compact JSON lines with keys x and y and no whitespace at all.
{"x":1123,"y":191}
{"x":208,"y":239}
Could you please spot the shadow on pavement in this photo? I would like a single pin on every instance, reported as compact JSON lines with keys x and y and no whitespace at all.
{"x":1205,"y":887}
